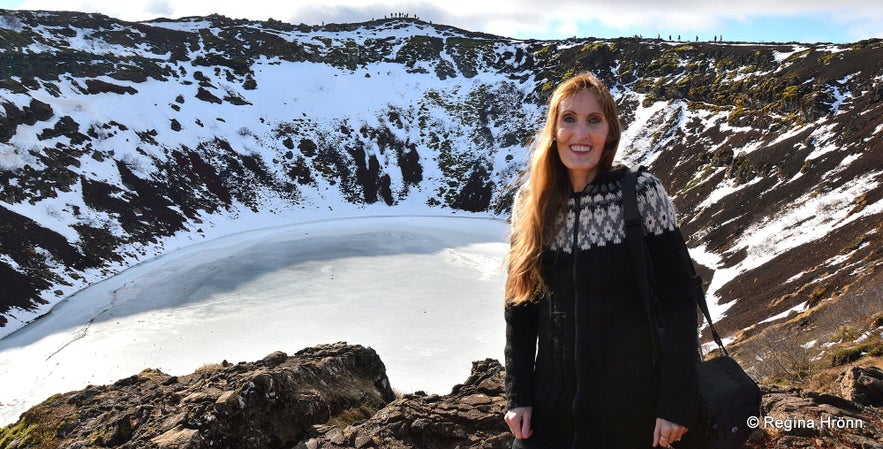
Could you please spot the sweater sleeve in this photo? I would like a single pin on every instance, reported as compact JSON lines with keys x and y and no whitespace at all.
{"x":676,"y":291}
{"x":520,"y":353}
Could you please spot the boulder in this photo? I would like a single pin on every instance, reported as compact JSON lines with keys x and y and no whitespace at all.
{"x":863,"y":385}
{"x":471,"y":416}
{"x":796,"y":417}
{"x":270,"y":403}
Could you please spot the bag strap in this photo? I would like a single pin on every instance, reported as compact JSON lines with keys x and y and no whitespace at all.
{"x":634,"y":236}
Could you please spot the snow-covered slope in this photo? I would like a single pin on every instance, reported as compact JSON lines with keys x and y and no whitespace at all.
{"x":120,"y":141}
{"x":145,"y":166}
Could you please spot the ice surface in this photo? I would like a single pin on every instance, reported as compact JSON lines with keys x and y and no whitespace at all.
{"x":424,"y":292}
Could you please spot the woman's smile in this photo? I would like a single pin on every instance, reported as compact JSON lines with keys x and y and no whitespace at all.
{"x":581,"y":148}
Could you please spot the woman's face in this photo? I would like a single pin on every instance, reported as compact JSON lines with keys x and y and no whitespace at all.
{"x":581,"y":134}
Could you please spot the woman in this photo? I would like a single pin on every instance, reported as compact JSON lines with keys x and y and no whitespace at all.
{"x":580,"y":371}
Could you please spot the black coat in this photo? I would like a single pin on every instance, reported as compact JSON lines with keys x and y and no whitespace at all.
{"x":581,"y":354}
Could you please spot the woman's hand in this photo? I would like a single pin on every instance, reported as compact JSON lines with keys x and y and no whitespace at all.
{"x":666,"y":432}
{"x":518,"y":420}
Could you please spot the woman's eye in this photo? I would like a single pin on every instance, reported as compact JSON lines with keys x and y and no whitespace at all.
{"x":569,"y":119}
{"x":595,"y":120}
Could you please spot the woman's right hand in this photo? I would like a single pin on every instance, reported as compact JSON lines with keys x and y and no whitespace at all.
{"x":518,"y":420}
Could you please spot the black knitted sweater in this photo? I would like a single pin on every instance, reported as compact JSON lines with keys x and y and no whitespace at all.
{"x":581,"y":354}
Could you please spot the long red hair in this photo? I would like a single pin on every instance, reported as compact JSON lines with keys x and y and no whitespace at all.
{"x":546,"y":188}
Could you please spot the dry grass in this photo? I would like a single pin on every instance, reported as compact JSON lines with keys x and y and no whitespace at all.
{"x":39,"y":427}
{"x":814,"y":346}
{"x":785,"y":360}
{"x":350,"y":416}
{"x":827,"y":380}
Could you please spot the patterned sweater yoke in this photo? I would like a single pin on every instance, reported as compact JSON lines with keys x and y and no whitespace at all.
{"x":600,"y":209}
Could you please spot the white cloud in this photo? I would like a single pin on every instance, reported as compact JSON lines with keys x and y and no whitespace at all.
{"x":158,"y":8}
{"x":861,"y":26}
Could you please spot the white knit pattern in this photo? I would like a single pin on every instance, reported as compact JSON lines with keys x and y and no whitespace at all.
{"x":601,"y":219}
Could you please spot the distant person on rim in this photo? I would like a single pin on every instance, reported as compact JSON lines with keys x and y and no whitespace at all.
{"x":580,"y":371}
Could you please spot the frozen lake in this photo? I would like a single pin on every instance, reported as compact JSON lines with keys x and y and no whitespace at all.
{"x":424,"y":292}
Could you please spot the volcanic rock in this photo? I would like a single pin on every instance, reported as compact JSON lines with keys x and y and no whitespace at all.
{"x":270,"y":403}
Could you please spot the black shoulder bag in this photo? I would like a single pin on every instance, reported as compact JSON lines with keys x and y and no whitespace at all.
{"x":727,"y":396}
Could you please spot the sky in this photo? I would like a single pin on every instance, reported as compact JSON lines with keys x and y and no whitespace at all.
{"x":807,"y":21}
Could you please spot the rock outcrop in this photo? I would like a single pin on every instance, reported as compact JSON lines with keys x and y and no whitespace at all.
{"x":338,"y":396}
{"x":270,"y":403}
{"x":863,"y":385}
{"x":800,"y":418}
{"x":470,"y":417}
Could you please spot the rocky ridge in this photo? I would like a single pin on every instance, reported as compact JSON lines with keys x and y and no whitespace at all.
{"x":269,"y":403}
{"x":337,"y":396}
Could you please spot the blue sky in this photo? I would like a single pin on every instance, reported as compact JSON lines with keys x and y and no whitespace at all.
{"x":747,"y":20}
